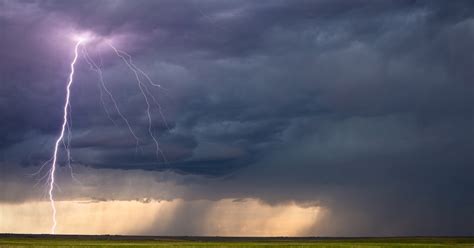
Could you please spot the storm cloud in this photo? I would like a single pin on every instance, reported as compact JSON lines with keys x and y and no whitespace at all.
{"x":362,"y":107}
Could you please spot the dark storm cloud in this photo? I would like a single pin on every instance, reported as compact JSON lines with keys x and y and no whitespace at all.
{"x":362,"y":106}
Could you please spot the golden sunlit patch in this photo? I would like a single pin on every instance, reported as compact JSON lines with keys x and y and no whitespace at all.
{"x":221,"y":218}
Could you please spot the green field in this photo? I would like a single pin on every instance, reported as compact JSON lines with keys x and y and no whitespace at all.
{"x":112,"y":241}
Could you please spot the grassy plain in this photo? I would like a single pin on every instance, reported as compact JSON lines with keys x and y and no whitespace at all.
{"x":132,"y":241}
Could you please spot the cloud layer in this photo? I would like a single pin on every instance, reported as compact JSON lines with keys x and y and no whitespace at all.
{"x":364,"y":108}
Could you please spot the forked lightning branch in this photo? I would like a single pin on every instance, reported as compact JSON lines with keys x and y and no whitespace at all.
{"x":143,"y":81}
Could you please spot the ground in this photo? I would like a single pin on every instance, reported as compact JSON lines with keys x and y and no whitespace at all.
{"x":134,"y":241}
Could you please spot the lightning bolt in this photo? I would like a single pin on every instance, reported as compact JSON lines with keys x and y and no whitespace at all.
{"x":103,"y":87}
{"x":60,"y":137}
{"x":64,"y":137}
{"x":145,"y":91}
{"x":132,"y":66}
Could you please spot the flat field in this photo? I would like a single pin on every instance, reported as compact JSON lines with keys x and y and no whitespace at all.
{"x":8,"y":240}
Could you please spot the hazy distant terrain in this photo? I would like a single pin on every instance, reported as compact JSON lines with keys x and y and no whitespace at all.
{"x":138,"y":241}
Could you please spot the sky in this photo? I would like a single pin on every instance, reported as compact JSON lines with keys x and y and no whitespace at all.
{"x":285,"y":117}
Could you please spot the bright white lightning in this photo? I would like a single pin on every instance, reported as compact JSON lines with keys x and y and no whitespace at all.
{"x":61,"y":136}
{"x":83,"y":37}
{"x":67,"y":121}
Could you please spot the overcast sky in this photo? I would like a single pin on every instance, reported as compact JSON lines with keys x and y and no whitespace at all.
{"x":363,"y":108}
